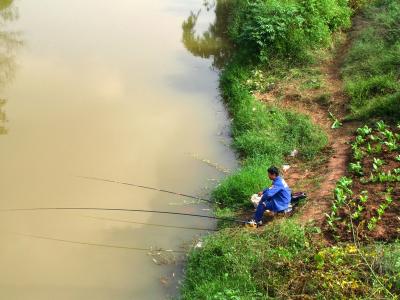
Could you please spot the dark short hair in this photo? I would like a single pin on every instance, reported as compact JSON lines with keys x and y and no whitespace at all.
{"x":273,"y":170}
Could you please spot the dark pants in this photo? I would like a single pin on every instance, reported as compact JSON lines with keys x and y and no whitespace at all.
{"x":261,"y":208}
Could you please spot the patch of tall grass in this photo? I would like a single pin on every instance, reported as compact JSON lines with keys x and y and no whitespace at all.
{"x":372,"y":68}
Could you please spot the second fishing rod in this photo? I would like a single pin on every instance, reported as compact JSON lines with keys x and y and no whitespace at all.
{"x":147,"y":188}
{"x":32,"y":209}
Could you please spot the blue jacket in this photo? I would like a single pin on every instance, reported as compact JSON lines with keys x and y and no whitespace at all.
{"x":278,"y":196}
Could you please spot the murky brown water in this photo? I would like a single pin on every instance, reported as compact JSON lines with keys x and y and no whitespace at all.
{"x":106,"y":89}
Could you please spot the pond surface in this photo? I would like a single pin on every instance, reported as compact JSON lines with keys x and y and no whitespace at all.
{"x":105,"y":89}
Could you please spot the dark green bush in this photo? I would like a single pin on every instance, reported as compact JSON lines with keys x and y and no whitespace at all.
{"x":286,"y":29}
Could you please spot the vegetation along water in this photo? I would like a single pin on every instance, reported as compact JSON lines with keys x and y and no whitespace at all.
{"x":322,"y":78}
{"x":109,"y":108}
{"x":103,"y":89}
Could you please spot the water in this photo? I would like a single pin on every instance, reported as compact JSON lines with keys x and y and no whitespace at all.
{"x":105,"y":89}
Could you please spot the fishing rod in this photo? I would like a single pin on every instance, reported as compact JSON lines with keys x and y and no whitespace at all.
{"x":94,"y":244}
{"x":149,"y":224}
{"x":147,"y":188}
{"x":125,"y":210}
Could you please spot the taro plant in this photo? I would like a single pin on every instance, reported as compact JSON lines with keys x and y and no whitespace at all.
{"x":389,"y":199}
{"x":397,"y":158}
{"x":360,"y":140}
{"x":381,"y":126}
{"x":364,"y":197}
{"x":372,"y":223}
{"x":374,"y":138}
{"x":364,"y":131}
{"x":331,"y":219}
{"x":344,"y":184}
{"x":377,"y":149}
{"x":388,"y":135}
{"x":360,"y":207}
{"x":358,"y":154}
{"x":392,"y":145}
{"x":381,"y":210}
{"x":377,"y":164}
{"x":342,"y":192}
{"x":336,"y":123}
{"x":384,"y":206}
{"x":369,"y":148}
{"x":357,"y":214}
{"x":356,"y":168}
{"x":384,"y":177}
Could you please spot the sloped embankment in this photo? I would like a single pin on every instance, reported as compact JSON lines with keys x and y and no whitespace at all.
{"x":286,"y":260}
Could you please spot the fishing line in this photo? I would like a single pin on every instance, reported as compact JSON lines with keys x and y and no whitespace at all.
{"x":149,"y":224}
{"x":122,"y":209}
{"x":147,"y":188}
{"x":94,"y":244}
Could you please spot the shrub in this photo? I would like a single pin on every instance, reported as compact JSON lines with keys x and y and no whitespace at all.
{"x":286,"y":29}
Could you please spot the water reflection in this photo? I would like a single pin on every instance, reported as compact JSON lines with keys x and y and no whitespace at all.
{"x":9,"y":42}
{"x":2,"y":117}
{"x":212,"y":43}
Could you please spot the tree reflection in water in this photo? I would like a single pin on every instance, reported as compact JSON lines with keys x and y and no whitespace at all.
{"x":214,"y":42}
{"x":9,"y":42}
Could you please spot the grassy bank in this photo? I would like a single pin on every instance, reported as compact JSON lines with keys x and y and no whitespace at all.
{"x":284,"y":260}
{"x":287,"y":262}
{"x":262,"y":135}
{"x":372,"y":67}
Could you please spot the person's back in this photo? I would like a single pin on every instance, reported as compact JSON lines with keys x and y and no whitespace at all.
{"x":279,"y":194}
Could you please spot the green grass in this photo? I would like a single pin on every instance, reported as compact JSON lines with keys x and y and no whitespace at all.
{"x":285,"y":29}
{"x":372,"y":67}
{"x":262,"y":135}
{"x":286,"y":261}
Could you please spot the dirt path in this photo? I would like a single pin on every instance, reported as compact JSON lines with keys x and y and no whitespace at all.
{"x":319,"y":177}
{"x":336,"y":165}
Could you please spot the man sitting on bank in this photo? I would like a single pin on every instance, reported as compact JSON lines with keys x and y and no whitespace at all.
{"x":276,"y":198}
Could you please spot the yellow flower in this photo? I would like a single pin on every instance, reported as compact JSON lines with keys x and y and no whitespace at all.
{"x":351,"y":249}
